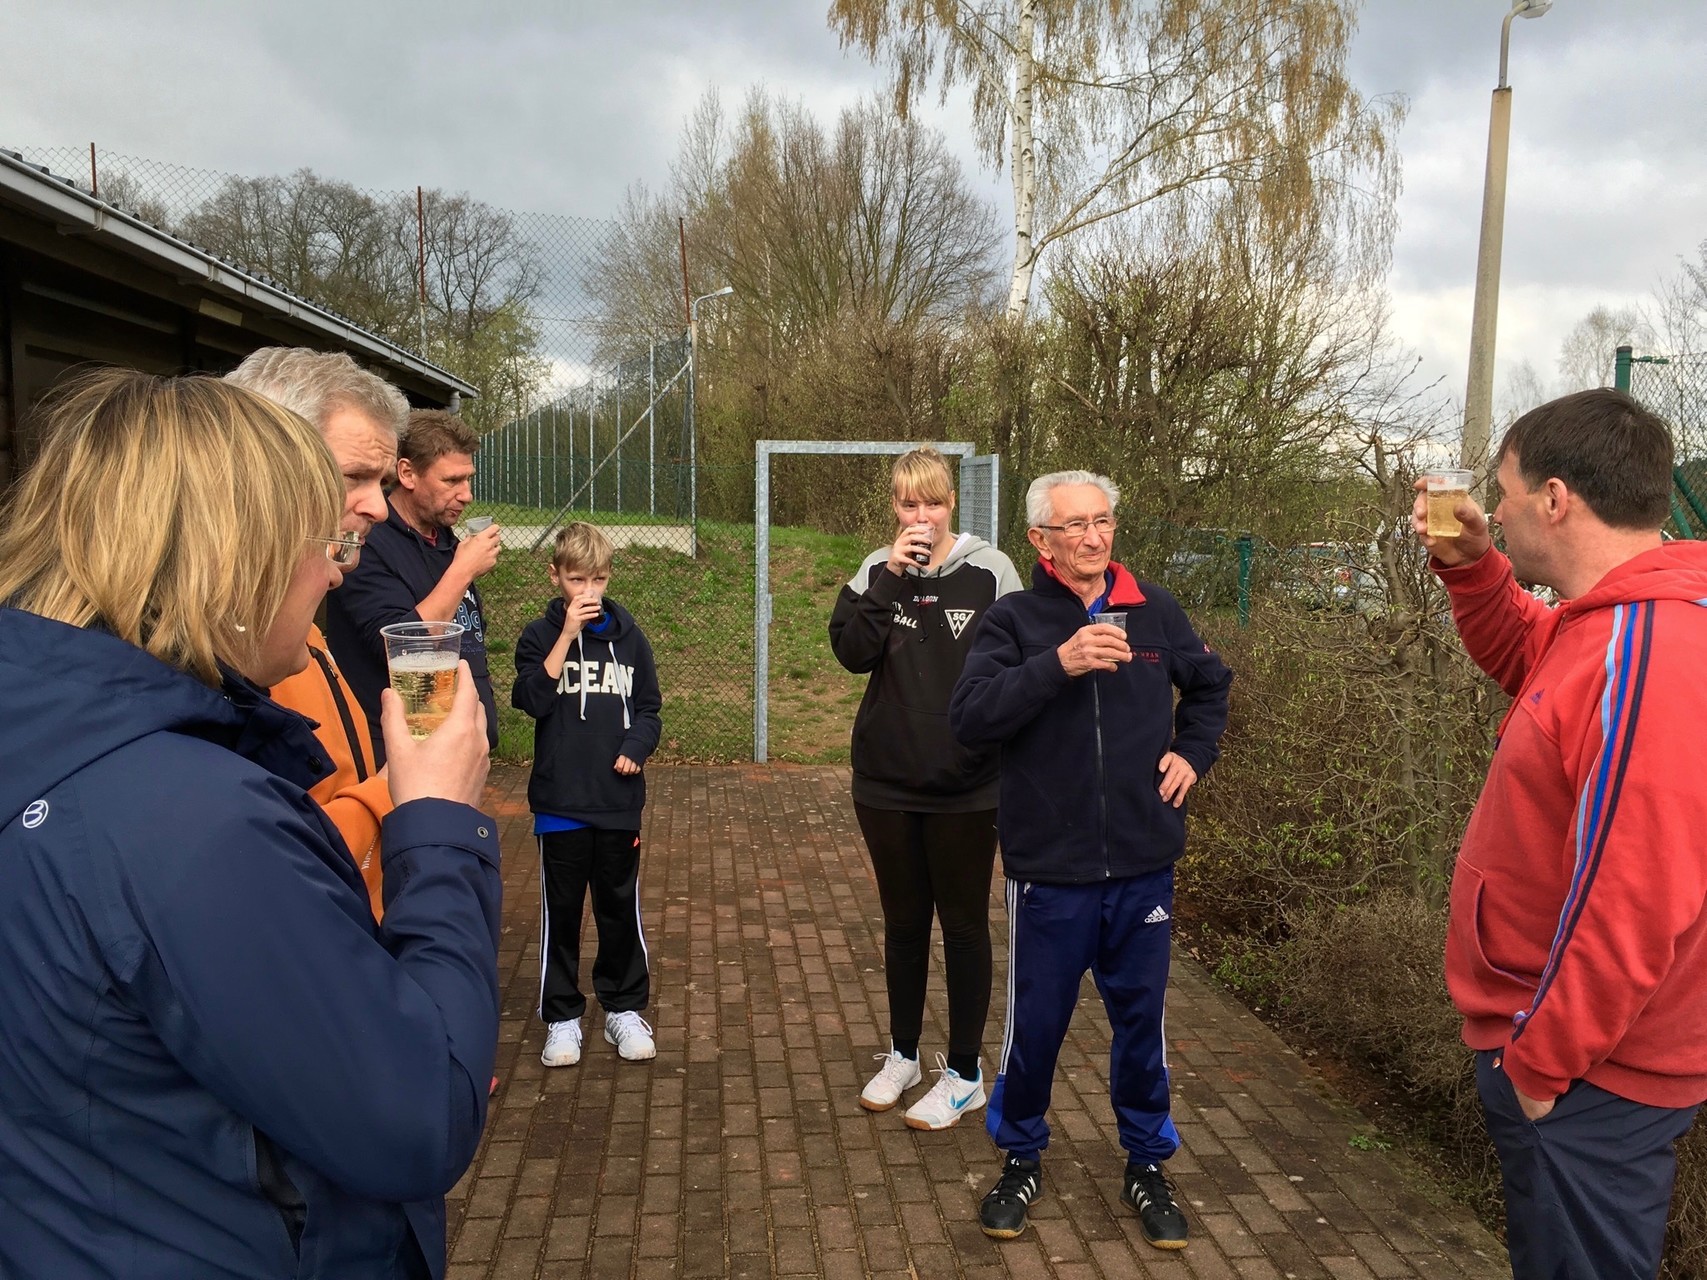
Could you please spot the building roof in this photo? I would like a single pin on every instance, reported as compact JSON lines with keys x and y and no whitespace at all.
{"x":74,"y":211}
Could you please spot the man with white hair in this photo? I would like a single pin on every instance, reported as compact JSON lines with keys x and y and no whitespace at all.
{"x":360,"y":416}
{"x":1075,"y":681}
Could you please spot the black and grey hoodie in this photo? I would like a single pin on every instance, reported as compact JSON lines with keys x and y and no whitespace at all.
{"x":604,"y":705}
{"x":912,"y":633}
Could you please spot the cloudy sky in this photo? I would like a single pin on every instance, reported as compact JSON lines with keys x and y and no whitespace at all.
{"x":557,"y":105}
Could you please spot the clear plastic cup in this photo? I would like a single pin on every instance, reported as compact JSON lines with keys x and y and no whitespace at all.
{"x":422,"y":658}
{"x":1446,"y":489}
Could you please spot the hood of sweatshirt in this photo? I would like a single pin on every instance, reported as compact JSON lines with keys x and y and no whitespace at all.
{"x":966,"y":545}
{"x":70,"y":695}
{"x":1671,"y":571}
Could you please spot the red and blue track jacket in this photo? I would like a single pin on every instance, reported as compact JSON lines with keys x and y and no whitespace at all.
{"x":1078,"y":798}
{"x":1578,"y":936}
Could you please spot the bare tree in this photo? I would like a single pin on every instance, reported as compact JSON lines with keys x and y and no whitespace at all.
{"x":1523,"y":389}
{"x":1589,"y":350}
{"x":121,"y":189}
{"x":810,"y":226}
{"x":1099,"y":107}
{"x":342,"y":248}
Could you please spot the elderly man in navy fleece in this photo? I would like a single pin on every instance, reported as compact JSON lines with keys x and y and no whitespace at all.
{"x":1075,"y":681}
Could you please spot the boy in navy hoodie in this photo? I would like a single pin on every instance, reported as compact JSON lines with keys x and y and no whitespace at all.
{"x":584,"y":672}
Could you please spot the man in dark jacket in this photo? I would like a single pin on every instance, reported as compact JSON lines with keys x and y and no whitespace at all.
{"x":1075,"y":680}
{"x":414,"y":569}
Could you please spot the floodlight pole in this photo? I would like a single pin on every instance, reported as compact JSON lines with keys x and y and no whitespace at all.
{"x":1484,"y":313}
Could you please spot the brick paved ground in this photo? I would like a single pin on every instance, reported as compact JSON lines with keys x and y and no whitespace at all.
{"x":742,"y":1150}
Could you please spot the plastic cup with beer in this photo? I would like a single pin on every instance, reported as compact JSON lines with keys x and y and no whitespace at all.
{"x":1446,"y":489}
{"x":1115,"y":619}
{"x":422,"y":657}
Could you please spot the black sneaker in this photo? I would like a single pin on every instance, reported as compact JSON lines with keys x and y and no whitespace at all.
{"x":1151,"y":1192}
{"x":1002,"y":1214}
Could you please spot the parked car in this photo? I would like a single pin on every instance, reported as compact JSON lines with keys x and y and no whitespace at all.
{"x":1327,"y":575}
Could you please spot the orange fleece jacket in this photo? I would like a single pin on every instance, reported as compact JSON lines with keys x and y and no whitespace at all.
{"x":356,"y":806}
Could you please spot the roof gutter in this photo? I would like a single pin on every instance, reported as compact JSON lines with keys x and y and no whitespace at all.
{"x":77,"y":212}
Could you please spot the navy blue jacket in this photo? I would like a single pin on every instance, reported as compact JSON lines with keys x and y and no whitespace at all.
{"x":399,"y":569}
{"x":1078,"y":791}
{"x":213,"y":1062}
{"x":604,"y":705}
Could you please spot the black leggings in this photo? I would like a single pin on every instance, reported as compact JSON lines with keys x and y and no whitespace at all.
{"x":934,"y":863}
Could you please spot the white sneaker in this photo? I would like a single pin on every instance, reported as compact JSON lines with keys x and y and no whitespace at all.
{"x":894,"y":1078}
{"x":562,"y":1044}
{"x":949,"y":1099}
{"x":631,"y":1035}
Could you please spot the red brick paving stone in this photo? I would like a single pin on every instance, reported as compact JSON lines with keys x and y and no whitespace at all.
{"x":742,"y":1149}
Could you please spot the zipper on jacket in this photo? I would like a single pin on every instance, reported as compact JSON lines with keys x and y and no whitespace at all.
{"x":1102,"y":786}
{"x":333,"y":683}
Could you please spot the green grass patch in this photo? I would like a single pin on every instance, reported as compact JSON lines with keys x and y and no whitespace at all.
{"x":698,"y":614}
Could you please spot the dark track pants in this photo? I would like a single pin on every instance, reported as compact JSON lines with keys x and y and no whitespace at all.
{"x":609,"y":863}
{"x":1588,"y":1185}
{"x":934,"y":864}
{"x":1118,"y":929}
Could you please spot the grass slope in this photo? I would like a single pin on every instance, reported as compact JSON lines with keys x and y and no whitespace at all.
{"x":698,"y":614}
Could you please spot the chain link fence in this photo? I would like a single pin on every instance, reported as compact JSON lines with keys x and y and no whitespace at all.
{"x":1675,"y":387}
{"x":499,"y":297}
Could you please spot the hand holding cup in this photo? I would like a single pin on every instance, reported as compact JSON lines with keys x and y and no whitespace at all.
{"x":1100,"y":646}
{"x":478,"y":552}
{"x":912,"y":547}
{"x":449,"y":764}
{"x":1447,"y":520}
{"x":581,"y":609}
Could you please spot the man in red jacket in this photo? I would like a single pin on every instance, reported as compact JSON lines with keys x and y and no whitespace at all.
{"x":1577,"y":949}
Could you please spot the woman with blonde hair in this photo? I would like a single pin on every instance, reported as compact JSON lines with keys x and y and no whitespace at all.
{"x":926,"y":805}
{"x":214,"y":1062}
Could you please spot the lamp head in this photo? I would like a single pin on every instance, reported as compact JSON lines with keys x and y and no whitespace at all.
{"x":1531,"y":8}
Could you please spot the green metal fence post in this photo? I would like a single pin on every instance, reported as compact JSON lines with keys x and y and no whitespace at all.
{"x":1247,"y":553}
{"x":1621,"y":370}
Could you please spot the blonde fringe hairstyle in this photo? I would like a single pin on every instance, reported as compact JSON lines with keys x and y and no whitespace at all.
{"x":171,"y":511}
{"x":922,"y":474}
{"x":581,"y":548}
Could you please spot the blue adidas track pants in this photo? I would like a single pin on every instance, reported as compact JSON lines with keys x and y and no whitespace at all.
{"x":1119,"y":931}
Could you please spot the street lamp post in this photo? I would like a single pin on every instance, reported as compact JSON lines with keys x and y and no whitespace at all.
{"x":693,"y":393}
{"x":1484,"y":314}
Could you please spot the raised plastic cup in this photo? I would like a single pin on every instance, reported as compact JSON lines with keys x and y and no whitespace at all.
{"x":422,"y":658}
{"x":479,"y":524}
{"x":1446,"y":489}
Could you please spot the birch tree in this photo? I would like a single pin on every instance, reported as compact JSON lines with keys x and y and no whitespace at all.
{"x":1100,"y":107}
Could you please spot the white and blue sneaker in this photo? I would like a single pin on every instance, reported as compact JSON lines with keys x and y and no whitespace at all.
{"x":949,"y":1099}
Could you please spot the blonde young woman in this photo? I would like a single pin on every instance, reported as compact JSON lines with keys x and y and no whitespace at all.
{"x":214,"y":1062}
{"x":926,"y":805}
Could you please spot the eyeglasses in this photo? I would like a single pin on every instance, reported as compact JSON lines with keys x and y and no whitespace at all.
{"x":344,"y":551}
{"x":1076,"y":529}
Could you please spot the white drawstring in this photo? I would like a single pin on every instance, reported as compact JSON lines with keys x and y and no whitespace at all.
{"x":581,"y":672}
{"x":621,"y":684}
